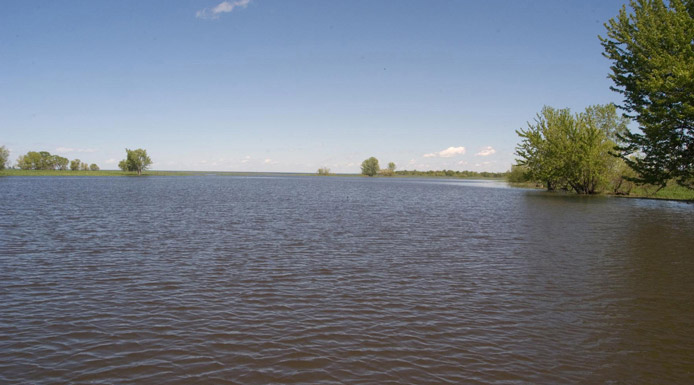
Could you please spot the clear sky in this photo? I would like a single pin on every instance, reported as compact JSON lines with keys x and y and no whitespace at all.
{"x":279,"y":85}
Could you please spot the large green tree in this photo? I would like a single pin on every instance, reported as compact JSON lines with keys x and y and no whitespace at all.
{"x":136,"y":160}
{"x":42,"y":160}
{"x":568,"y":151}
{"x":652,"y":52}
{"x":370,"y":167}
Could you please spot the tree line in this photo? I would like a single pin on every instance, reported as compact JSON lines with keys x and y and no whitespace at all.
{"x":453,"y":173}
{"x":135,"y":161}
{"x":592,"y":151}
{"x":44,"y":160}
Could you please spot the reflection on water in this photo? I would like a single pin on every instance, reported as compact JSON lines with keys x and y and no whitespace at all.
{"x":339,"y":280}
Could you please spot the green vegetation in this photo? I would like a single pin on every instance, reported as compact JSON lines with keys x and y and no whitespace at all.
{"x":20,"y":172}
{"x":43,"y":160}
{"x":4,"y":157}
{"x":136,"y":160}
{"x":653,"y":68}
{"x":390,"y":171}
{"x":518,"y":174}
{"x":672,"y":190}
{"x":571,"y":152}
{"x":452,"y":174}
{"x":652,"y":54}
{"x":370,"y":167}
{"x":324,"y":171}
{"x":93,"y":167}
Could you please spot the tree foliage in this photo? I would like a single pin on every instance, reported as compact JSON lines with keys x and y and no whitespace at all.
{"x":370,"y":167}
{"x":452,"y":173}
{"x":517,"y":174}
{"x":568,"y":151}
{"x":42,"y":160}
{"x":324,"y":171}
{"x":136,"y":160}
{"x":4,"y":157}
{"x":75,"y":164}
{"x":652,"y":53}
{"x":390,"y":171}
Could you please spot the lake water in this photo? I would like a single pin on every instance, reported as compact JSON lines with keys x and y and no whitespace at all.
{"x":256,"y":280}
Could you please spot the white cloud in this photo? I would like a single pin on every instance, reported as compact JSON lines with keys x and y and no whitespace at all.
{"x":486,"y":151}
{"x":447,"y":153}
{"x":452,"y":151}
{"x":462,"y":163}
{"x":111,"y":161}
{"x":267,"y":161}
{"x":66,"y":150}
{"x":223,"y":7}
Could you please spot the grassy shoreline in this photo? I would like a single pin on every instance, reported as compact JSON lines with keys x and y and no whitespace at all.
{"x":672,"y":192}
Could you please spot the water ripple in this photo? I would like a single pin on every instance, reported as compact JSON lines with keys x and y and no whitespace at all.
{"x":338,"y":280}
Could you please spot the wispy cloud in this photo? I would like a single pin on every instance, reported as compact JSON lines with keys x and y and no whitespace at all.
{"x":486,"y":151}
{"x":223,"y":7}
{"x":66,"y":150}
{"x":447,"y":153}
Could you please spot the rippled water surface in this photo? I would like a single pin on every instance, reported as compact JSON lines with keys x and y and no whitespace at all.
{"x":249,"y":280}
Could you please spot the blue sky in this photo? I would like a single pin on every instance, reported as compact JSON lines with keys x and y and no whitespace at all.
{"x":278,"y":85}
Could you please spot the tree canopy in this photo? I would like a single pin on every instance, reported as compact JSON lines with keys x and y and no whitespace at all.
{"x":652,"y":54}
{"x":370,"y":167}
{"x":136,"y":160}
{"x":324,"y":171}
{"x":568,"y":151}
{"x":4,"y":157}
{"x":42,"y":160}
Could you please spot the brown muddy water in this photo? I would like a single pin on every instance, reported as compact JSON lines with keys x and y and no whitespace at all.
{"x":257,"y":280}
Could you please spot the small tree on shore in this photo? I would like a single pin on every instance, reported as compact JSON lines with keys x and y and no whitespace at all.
{"x":370,"y":167}
{"x":75,"y":164}
{"x":136,"y":160}
{"x":323,"y":171}
{"x":93,"y":167}
{"x":390,"y":171}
